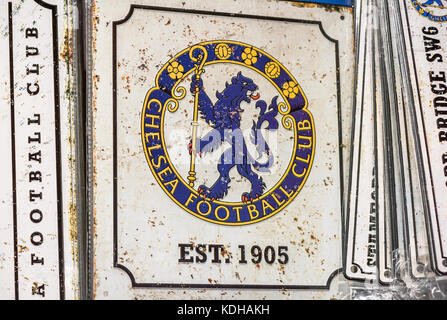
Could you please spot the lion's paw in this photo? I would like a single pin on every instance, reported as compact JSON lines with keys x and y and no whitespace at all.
{"x":250,"y":197}
{"x":206,"y":193}
{"x":196,"y":85}
{"x":190,"y":148}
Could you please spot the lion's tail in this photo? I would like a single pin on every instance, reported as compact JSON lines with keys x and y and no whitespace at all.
{"x":258,"y":139}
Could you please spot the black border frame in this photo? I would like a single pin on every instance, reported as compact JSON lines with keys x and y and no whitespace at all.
{"x":355,"y":211}
{"x":115,"y":167}
{"x":55,"y":33}
{"x":408,"y":130}
{"x":423,"y":174}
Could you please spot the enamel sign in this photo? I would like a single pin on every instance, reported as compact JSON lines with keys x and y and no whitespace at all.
{"x":218,"y":146}
{"x":38,"y":232}
{"x":426,"y":49}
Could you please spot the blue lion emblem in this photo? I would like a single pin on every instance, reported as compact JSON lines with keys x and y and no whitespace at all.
{"x":430,"y":3}
{"x":225,"y":119}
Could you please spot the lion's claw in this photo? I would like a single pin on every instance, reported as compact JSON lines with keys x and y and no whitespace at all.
{"x":207,"y":194}
{"x":248,"y":198}
{"x":196,"y":85}
{"x":190,"y":149}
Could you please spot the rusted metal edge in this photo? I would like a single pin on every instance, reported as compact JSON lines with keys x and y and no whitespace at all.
{"x":88,"y":9}
{"x":71,"y":54}
{"x":79,"y":119}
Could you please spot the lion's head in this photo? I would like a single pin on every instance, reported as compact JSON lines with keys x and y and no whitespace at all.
{"x":240,"y":89}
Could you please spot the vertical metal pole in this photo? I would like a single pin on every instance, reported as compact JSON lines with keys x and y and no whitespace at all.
{"x":195,"y":124}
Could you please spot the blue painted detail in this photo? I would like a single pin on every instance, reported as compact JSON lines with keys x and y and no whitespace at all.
{"x":345,"y":3}
{"x":421,"y":8}
{"x":224,"y":117}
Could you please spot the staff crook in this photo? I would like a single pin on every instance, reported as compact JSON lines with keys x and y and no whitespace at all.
{"x":201,"y":60}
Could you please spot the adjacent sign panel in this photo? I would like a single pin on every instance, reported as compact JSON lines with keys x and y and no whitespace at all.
{"x":424,"y":27}
{"x":361,"y":240}
{"x":38,"y":256}
{"x":215,"y":138}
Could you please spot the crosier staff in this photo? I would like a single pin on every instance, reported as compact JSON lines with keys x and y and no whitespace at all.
{"x":201,"y":60}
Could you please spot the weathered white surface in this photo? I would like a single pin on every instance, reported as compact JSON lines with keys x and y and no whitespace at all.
{"x":362,"y":210}
{"x":41,"y":240}
{"x":150,"y":224}
{"x":429,"y":102}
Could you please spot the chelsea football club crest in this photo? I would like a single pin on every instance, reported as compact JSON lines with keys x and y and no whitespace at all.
{"x":249,"y":180}
{"x":434,"y":10}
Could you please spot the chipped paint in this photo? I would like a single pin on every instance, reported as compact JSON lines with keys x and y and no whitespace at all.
{"x":48,"y":237}
{"x":150,"y":233}
{"x":326,"y":7}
